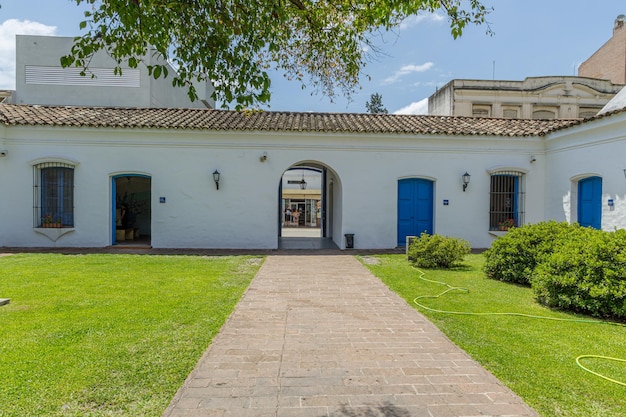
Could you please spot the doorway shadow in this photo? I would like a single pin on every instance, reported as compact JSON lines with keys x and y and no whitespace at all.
{"x":306,"y":243}
{"x":304,"y":238}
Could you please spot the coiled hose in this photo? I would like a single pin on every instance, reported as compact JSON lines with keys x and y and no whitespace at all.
{"x":450,"y":288}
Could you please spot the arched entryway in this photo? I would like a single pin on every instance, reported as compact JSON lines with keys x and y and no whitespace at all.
{"x":131,"y":212}
{"x":307,"y":207}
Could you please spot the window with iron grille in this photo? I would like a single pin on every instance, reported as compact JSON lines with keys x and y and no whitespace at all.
{"x":53,"y":195}
{"x":506,"y":200}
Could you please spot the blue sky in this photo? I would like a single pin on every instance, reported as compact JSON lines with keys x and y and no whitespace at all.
{"x":532,"y":38}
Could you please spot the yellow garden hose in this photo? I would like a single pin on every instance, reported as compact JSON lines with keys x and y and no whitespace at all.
{"x":608,"y":358}
{"x":450,"y":288}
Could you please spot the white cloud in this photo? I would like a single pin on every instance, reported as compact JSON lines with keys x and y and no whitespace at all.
{"x":417,"y":107}
{"x":407,"y":69}
{"x":8,"y":30}
{"x":415,"y":20}
{"x":435,"y":84}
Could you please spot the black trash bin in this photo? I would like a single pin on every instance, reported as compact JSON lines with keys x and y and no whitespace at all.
{"x":349,"y":240}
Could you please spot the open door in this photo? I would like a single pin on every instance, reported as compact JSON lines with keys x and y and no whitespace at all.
{"x":131,"y":209}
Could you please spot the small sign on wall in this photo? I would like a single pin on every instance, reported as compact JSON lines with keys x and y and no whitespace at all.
{"x":162,"y":200}
{"x":446,"y":202}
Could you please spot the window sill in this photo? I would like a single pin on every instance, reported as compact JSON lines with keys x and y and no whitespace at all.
{"x":498,"y":233}
{"x":53,"y":233}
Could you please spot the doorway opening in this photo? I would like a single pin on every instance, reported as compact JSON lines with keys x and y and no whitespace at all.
{"x":131,"y":210}
{"x":305,"y":207}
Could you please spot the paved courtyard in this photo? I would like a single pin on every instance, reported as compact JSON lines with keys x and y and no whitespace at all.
{"x":319,"y":336}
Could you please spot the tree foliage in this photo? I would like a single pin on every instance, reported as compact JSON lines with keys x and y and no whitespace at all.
{"x":375,"y":104}
{"x":234,"y":43}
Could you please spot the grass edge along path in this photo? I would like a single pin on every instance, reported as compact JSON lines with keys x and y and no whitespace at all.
{"x":535,"y":358}
{"x":109,"y":335}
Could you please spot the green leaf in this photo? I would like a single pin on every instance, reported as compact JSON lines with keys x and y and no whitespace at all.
{"x":236,"y":42}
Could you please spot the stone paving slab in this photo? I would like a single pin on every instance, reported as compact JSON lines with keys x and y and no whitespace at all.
{"x":320,"y":336}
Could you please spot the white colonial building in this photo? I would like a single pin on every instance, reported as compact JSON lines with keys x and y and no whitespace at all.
{"x":94,"y":176}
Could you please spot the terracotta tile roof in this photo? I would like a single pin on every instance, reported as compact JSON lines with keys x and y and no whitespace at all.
{"x":224,"y":120}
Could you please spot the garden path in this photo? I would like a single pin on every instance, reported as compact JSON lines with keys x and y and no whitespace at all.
{"x":321,"y":336}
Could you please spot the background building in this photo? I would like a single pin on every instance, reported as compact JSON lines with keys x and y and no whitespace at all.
{"x":552,"y":97}
{"x":555,"y":97}
{"x":609,"y":62}
{"x":302,"y":193}
{"x":40,"y":79}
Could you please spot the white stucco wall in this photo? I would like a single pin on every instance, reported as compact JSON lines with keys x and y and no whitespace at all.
{"x":46,"y":52}
{"x":364,"y":171}
{"x":596,"y":148}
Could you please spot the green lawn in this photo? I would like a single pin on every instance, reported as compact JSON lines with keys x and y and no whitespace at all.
{"x":108,"y":335}
{"x":535,"y":358}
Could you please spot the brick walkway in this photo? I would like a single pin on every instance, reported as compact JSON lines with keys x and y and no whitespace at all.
{"x":320,"y":336}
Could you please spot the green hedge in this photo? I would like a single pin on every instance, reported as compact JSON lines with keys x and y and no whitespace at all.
{"x":586,"y":274}
{"x":569,"y":267}
{"x":514,"y":256}
{"x":437,"y":251}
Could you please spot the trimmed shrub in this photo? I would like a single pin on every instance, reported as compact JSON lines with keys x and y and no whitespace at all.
{"x":514,"y":256}
{"x":586,"y":274}
{"x":436,"y":251}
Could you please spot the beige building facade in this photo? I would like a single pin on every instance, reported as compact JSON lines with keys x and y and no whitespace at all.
{"x":609,"y":62}
{"x":552,"y":97}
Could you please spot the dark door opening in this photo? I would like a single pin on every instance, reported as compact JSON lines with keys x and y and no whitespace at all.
{"x":132,"y":211}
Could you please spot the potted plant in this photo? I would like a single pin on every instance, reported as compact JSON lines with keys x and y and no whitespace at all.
{"x":506,"y":224}
{"x":48,"y":221}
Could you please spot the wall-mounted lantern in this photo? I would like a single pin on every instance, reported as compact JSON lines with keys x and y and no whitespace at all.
{"x":466,"y":180}
{"x":216,"y":178}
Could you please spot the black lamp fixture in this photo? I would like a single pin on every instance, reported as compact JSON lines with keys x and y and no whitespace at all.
{"x":302,"y":182}
{"x":216,"y":178}
{"x":625,"y":173}
{"x":466,"y":180}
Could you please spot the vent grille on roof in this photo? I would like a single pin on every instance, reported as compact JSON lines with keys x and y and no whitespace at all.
{"x":104,"y":77}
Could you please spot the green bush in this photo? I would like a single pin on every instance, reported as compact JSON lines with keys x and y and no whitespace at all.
{"x":586,"y":273}
{"x":436,"y":251}
{"x":514,"y":256}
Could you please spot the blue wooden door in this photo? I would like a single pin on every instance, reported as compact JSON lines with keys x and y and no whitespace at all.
{"x":415,"y":208}
{"x":590,"y":202}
